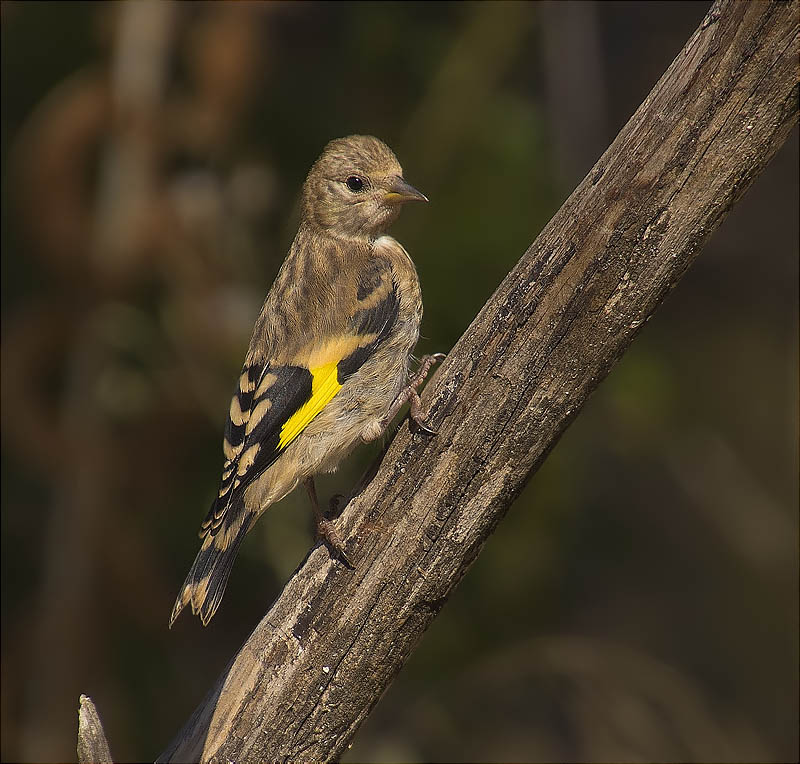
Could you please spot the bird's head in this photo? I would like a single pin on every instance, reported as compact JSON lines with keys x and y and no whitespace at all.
{"x":356,"y":187}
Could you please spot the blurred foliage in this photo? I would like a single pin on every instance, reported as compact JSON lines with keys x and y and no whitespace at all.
{"x":640,"y":600}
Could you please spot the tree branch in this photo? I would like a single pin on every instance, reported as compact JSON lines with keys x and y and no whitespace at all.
{"x":333,"y":641}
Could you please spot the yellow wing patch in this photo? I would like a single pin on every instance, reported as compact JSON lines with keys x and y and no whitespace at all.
{"x":324,"y":385}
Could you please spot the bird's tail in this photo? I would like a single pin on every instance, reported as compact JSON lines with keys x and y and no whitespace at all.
{"x":206,"y":581}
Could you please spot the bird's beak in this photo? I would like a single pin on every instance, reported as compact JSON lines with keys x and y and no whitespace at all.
{"x":400,"y":191}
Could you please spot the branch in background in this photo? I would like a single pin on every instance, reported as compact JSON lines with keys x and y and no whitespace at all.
{"x":482,"y":54}
{"x":577,"y":94}
{"x":330,"y":645}
{"x":128,"y":175}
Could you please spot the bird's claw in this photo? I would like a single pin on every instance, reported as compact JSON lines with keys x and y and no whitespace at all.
{"x":331,"y":538}
{"x":423,"y":428}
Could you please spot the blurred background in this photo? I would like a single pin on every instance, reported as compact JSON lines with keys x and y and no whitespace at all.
{"x":640,"y":600}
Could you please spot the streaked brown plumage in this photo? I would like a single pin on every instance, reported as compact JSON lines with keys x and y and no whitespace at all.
{"x":327,"y":365}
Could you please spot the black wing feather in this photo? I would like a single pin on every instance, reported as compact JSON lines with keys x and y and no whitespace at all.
{"x":289,"y":390}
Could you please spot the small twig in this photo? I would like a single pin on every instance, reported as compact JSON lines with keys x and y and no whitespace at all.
{"x":92,"y":743}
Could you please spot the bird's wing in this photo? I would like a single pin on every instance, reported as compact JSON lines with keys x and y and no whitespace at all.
{"x":275,"y":402}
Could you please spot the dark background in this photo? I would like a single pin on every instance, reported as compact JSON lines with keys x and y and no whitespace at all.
{"x":640,"y":600}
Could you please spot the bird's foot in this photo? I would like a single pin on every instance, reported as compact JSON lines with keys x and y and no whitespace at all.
{"x":409,"y":395}
{"x":326,"y":531}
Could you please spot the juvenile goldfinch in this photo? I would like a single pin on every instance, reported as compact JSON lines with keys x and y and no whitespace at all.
{"x":327,"y":365}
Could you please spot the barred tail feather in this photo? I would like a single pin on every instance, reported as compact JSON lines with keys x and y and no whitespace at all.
{"x":206,"y":581}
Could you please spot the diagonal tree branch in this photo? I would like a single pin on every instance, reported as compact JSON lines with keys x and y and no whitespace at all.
{"x":333,"y":641}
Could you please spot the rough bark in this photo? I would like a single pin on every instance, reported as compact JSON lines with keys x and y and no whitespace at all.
{"x":335,"y":638}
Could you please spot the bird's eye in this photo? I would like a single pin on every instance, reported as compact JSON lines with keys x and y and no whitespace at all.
{"x":355,"y":184}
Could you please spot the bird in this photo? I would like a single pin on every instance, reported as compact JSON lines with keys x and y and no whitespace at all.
{"x":328,"y":362}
